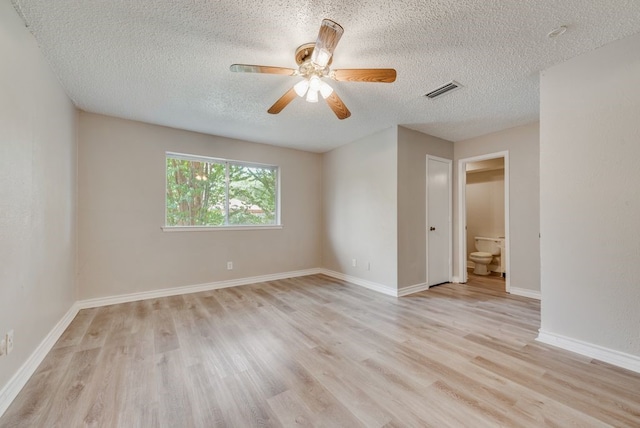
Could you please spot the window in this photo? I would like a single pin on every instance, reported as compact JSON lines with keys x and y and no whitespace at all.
{"x":208,"y":192}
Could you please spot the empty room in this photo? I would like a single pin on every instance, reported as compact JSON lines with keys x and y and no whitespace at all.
{"x":278,"y":213}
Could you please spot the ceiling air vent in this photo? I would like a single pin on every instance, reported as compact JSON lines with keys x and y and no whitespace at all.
{"x":447,"y":87}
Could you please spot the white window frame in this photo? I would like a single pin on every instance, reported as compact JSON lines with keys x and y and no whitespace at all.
{"x":227,"y":162}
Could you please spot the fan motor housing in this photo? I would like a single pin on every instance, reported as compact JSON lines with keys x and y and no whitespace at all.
{"x":303,"y":53}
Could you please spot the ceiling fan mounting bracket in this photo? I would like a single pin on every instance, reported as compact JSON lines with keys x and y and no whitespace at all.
{"x":303,"y":53}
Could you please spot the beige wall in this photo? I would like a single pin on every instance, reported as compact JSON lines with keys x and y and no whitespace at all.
{"x":485,"y":206}
{"x":523,"y":145}
{"x":360,"y":208}
{"x":122,"y":248}
{"x":413,"y":148}
{"x":37,"y":194}
{"x":590,"y":197}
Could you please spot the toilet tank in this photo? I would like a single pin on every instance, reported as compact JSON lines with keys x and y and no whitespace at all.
{"x":489,"y":245}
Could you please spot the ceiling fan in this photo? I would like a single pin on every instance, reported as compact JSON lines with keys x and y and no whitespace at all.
{"x":313,"y":61}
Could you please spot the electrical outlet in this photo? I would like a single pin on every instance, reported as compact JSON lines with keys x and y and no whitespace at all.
{"x":354,"y":262}
{"x":229,"y":265}
{"x":3,"y":347}
{"x":9,"y":342}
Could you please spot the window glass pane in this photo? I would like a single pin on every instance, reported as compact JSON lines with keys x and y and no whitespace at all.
{"x":214,"y":192}
{"x":195,"y":193}
{"x":252,"y":195}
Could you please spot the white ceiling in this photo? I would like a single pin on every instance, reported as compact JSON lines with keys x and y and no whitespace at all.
{"x":167,"y":62}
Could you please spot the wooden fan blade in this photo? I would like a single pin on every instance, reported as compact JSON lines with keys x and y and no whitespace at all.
{"x":338,"y":106}
{"x":328,"y":38}
{"x":248,"y":68}
{"x":378,"y":75}
{"x":283,"y":101}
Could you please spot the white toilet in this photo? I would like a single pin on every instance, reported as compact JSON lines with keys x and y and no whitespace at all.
{"x":487,"y":248}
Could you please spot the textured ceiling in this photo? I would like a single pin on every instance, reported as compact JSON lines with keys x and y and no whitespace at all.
{"x":167,"y":62}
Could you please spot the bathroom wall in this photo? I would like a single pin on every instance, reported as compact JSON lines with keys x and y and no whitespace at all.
{"x":485,"y":205}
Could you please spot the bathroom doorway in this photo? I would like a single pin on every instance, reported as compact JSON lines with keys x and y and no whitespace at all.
{"x":483,"y":202}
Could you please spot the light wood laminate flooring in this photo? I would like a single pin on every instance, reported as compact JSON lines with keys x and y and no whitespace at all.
{"x":490,"y":282}
{"x":315,"y":351}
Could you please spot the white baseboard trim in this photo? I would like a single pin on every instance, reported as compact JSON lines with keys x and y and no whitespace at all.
{"x":455,"y":279}
{"x":380,"y":288}
{"x":525,"y":293}
{"x":611,"y":356}
{"x":11,"y":390}
{"x":188,"y":289}
{"x":405,"y":291}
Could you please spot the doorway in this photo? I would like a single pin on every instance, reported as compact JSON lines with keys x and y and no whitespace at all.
{"x":439,"y":220}
{"x":462,"y":216}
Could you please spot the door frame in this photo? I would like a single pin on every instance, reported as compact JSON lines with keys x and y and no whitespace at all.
{"x":462,"y":214}
{"x":449,"y":163}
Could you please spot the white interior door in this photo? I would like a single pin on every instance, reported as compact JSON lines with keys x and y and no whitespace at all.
{"x":438,"y":220}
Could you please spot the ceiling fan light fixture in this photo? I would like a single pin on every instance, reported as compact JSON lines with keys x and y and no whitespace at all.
{"x":301,"y":87}
{"x":312,"y":96}
{"x":314,"y":83}
{"x":325,"y":90}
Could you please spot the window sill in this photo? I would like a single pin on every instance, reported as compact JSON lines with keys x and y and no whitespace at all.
{"x":216,"y":228}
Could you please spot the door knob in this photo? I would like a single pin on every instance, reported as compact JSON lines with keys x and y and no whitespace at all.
{"x":432,"y":228}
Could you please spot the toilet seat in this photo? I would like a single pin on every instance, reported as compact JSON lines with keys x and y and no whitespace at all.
{"x":481,"y":254}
